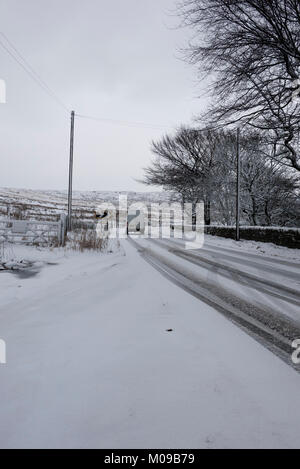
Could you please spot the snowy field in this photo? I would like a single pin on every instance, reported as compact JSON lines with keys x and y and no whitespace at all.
{"x":48,"y":205}
{"x":104,"y":352}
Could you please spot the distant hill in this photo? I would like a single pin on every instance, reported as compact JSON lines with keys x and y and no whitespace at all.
{"x":48,"y":205}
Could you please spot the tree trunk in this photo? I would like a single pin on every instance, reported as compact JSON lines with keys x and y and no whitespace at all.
{"x":267,"y":215}
{"x":254,"y":211}
{"x":207,"y":211}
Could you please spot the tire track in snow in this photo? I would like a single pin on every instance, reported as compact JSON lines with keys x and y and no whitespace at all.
{"x":275,"y":332}
{"x":274,"y":289}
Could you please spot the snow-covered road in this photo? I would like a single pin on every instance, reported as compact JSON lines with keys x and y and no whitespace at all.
{"x":257,"y":292}
{"x":91,"y":363}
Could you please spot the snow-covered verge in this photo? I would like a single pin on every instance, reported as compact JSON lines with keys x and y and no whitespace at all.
{"x":289,"y":237}
{"x":254,"y":247}
{"x":91,"y":362}
{"x":28,"y":260}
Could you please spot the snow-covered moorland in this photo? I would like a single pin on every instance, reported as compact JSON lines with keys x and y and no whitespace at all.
{"x":48,"y":205}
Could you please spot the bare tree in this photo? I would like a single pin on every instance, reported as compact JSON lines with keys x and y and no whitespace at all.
{"x":251,"y":48}
{"x":200,"y":165}
{"x":269,"y":194}
{"x":191,"y":163}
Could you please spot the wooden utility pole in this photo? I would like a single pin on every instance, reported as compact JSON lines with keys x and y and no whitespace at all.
{"x":71,"y":172}
{"x":238,"y":188}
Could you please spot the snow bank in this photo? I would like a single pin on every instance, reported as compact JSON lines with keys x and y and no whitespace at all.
{"x":289,"y":237}
{"x":254,"y":247}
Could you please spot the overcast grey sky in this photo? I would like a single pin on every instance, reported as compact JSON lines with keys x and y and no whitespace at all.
{"x":113,"y":59}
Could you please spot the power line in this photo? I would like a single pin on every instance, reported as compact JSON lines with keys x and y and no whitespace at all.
{"x":126,"y":123}
{"x":10,"y":48}
{"x":18,"y":57}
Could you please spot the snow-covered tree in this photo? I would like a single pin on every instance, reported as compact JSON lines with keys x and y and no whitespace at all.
{"x":251,"y":50}
{"x":200,"y":165}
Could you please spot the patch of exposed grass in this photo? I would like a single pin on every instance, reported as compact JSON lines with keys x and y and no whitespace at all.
{"x":86,"y":240}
